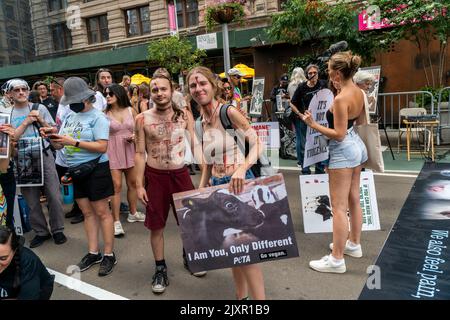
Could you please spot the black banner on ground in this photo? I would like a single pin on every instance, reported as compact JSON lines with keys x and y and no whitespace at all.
{"x":414,"y":262}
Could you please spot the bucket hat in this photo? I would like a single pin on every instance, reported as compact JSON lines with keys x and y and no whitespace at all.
{"x":76,"y":90}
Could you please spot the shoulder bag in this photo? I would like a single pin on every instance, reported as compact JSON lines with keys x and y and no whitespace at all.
{"x":371,"y":137}
{"x":83,"y":170}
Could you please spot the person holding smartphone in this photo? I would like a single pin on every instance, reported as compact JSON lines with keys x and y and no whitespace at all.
{"x":84,"y":134}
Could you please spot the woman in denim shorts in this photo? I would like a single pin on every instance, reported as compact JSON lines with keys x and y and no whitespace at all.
{"x":347,"y":155}
{"x":223,"y":163}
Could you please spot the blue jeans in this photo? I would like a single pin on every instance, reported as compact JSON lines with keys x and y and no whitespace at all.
{"x":216,"y":181}
{"x":300,"y":134}
{"x":348,"y":153}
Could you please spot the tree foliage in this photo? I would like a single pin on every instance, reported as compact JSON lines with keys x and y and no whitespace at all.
{"x":319,"y":24}
{"x":174,"y":54}
{"x":422,"y":22}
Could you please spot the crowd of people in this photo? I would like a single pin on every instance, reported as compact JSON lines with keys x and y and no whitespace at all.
{"x":96,"y":134}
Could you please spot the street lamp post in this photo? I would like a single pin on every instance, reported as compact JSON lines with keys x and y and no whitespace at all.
{"x":226,"y":49}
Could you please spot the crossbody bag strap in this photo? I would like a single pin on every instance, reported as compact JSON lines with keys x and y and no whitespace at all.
{"x":366,"y":107}
{"x":226,"y":124}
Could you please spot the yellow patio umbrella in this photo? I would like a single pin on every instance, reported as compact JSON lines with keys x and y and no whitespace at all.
{"x":247,"y":71}
{"x":139,"y":78}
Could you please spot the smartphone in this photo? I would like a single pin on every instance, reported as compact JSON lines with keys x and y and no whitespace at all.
{"x":53,"y":136}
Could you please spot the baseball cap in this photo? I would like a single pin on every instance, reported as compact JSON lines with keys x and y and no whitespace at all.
{"x":284,"y":77}
{"x":76,"y":90}
{"x":235,"y":72}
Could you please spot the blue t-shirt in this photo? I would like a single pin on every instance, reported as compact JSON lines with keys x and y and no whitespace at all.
{"x":18,"y":115}
{"x":85,"y":126}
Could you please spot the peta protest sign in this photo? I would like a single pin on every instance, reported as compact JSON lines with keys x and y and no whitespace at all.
{"x":223,"y":230}
{"x":315,"y":148}
{"x":268,"y":133}
{"x":316,"y":203}
{"x":415,"y":258}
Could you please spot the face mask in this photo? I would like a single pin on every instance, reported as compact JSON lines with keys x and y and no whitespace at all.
{"x":76,"y":107}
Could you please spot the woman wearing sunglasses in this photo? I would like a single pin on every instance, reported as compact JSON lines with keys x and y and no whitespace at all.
{"x":121,"y":152}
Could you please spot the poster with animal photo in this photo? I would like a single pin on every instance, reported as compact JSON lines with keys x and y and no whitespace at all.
{"x":222,"y":230}
{"x":29,"y":168}
{"x":316,"y":203}
{"x":4,"y":138}
{"x":372,"y":94}
{"x":256,"y":103}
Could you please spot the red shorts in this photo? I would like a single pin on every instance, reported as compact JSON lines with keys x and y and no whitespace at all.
{"x":160,"y":185}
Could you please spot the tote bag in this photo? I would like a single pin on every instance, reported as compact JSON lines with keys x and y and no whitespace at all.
{"x":371,"y":137}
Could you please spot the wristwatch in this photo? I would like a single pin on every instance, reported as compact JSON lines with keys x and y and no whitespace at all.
{"x":77,"y":144}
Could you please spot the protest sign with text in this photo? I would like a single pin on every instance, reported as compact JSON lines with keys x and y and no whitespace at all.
{"x":316,"y":203}
{"x":222,"y":230}
{"x":315,"y":150}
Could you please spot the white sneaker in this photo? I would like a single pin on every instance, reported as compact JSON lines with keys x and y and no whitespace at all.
{"x":118,"y":230}
{"x":199,"y":274}
{"x":326,"y":265}
{"x":352,"y":252}
{"x":137,"y":217}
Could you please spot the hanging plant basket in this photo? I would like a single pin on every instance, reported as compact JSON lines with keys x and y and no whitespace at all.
{"x":223,"y":13}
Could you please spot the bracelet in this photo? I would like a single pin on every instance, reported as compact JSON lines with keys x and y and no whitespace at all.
{"x":77,"y":143}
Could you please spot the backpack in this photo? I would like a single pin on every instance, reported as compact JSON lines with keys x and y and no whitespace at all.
{"x":262,"y":167}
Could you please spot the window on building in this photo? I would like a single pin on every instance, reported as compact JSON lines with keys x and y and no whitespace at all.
{"x":9,"y":12}
{"x":56,"y":4}
{"x":187,"y":13}
{"x":97,"y":29}
{"x":13,"y":44}
{"x":62,"y":38}
{"x":138,"y":21}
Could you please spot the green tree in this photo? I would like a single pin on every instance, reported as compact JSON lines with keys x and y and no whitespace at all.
{"x":421,"y":22}
{"x":174,"y":54}
{"x":319,"y":24}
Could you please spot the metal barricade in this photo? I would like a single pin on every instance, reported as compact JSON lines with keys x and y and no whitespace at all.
{"x":443,"y":113}
{"x":389,"y":105}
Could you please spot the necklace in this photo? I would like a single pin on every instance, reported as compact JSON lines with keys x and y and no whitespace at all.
{"x":208,"y":121}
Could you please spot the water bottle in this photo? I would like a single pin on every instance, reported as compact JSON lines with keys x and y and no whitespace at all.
{"x":67,"y":189}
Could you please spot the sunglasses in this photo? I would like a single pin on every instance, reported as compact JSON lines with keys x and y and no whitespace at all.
{"x":311,"y":73}
{"x":227,"y":88}
{"x":111,"y":94}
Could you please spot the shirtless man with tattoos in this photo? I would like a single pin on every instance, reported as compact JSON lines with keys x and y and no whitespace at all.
{"x":160,"y":132}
